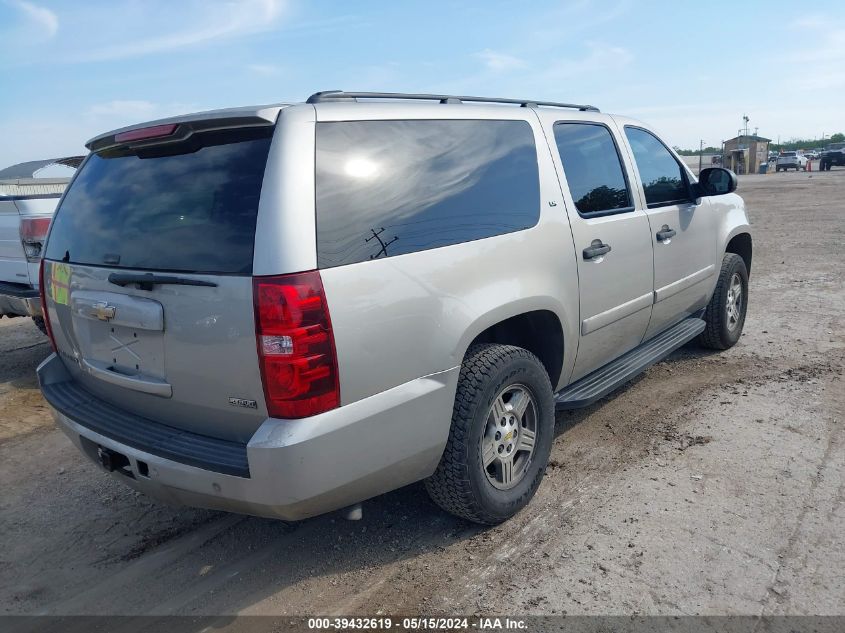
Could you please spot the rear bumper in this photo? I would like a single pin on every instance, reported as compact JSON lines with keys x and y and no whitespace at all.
{"x":296,"y":468}
{"x":19,"y":300}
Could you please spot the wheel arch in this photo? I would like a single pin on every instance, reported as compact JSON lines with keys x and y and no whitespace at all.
{"x":740,"y":244}
{"x":539,"y":329}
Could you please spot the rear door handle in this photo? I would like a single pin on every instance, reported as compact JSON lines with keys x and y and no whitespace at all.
{"x":596,"y":249}
{"x":665,"y":233}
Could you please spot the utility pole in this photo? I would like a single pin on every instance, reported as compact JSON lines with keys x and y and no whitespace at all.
{"x":700,"y":152}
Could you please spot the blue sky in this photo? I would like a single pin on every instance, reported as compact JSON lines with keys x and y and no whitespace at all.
{"x":71,"y":69}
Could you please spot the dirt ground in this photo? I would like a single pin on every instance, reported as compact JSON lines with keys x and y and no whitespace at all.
{"x":712,"y":484}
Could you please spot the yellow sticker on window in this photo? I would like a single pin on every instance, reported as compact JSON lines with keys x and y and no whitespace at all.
{"x":60,"y":283}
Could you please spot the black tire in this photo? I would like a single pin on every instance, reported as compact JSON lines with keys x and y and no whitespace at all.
{"x":461,"y":484}
{"x":39,"y":322}
{"x":721,"y":331}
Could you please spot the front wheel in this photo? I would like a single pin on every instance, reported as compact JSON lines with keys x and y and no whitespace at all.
{"x":725,"y":314}
{"x":500,"y":437}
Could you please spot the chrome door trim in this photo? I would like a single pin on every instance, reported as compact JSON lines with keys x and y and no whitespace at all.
{"x":612,"y":315}
{"x":683,"y":283}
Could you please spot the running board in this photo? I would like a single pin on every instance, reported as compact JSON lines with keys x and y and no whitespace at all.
{"x":601,"y":382}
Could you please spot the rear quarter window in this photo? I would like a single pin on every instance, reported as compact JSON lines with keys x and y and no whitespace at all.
{"x":387,"y":188}
{"x":186,"y":208}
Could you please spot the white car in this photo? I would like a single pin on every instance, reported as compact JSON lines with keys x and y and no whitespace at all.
{"x":27,"y":204}
{"x":791,"y":160}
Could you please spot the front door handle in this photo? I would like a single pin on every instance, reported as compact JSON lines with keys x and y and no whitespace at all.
{"x":596,"y":249}
{"x":665,"y":233}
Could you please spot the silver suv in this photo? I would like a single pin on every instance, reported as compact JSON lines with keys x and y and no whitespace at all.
{"x":284,"y":310}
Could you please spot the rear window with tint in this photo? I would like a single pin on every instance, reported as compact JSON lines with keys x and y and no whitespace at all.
{"x":388,"y":188}
{"x":188,"y":208}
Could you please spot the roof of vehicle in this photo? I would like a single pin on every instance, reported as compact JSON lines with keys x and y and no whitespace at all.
{"x":225,"y":117}
{"x":29,"y":168}
{"x":267,"y":114}
{"x":340,"y":95}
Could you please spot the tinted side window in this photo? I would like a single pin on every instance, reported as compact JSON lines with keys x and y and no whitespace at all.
{"x":592,"y":166}
{"x":387,"y":188}
{"x":663,"y":179}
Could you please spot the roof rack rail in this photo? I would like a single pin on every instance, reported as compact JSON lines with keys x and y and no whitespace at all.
{"x":340,"y":95}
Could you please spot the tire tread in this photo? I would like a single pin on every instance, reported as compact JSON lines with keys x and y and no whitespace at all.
{"x":450,"y":486}
{"x":714,"y":314}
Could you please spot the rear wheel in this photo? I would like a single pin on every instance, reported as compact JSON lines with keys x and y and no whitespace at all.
{"x":725,"y":314}
{"x":500,"y":438}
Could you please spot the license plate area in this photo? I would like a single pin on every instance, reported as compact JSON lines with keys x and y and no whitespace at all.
{"x":120,"y":333}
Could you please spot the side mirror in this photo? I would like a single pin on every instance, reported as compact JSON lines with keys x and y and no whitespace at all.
{"x":714,"y":181}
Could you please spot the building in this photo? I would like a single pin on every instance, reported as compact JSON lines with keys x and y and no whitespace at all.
{"x":744,"y":154}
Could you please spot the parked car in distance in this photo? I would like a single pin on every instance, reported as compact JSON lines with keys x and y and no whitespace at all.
{"x":321,"y":302}
{"x":833,"y":155}
{"x":27,"y":204}
{"x":791,"y":160}
{"x":811,"y":155}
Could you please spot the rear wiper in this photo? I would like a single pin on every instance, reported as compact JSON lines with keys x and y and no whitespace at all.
{"x":146,"y":281}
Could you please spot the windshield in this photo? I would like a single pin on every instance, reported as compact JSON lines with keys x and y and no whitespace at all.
{"x":188,"y":208}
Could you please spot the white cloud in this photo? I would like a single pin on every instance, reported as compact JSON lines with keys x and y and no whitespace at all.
{"x":170,"y":26}
{"x":130,"y":108}
{"x":820,"y":67}
{"x":499,"y":62}
{"x":121,"y":112}
{"x":599,"y":58}
{"x":43,"y":20}
{"x":31,"y":137}
{"x":265,"y":70}
{"x":105,"y":30}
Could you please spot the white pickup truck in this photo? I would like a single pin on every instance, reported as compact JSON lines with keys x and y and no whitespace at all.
{"x":27,"y":204}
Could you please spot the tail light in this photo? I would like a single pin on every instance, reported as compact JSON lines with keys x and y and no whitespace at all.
{"x":295,"y":345}
{"x":33,"y":235}
{"x":42,"y":288}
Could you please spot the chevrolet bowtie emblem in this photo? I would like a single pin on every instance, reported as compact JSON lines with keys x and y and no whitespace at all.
{"x":103,"y":311}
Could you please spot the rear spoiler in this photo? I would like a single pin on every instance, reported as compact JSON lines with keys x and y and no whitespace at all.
{"x":178,"y":129}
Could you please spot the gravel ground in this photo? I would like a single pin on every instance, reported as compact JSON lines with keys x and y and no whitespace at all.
{"x":712,"y":484}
